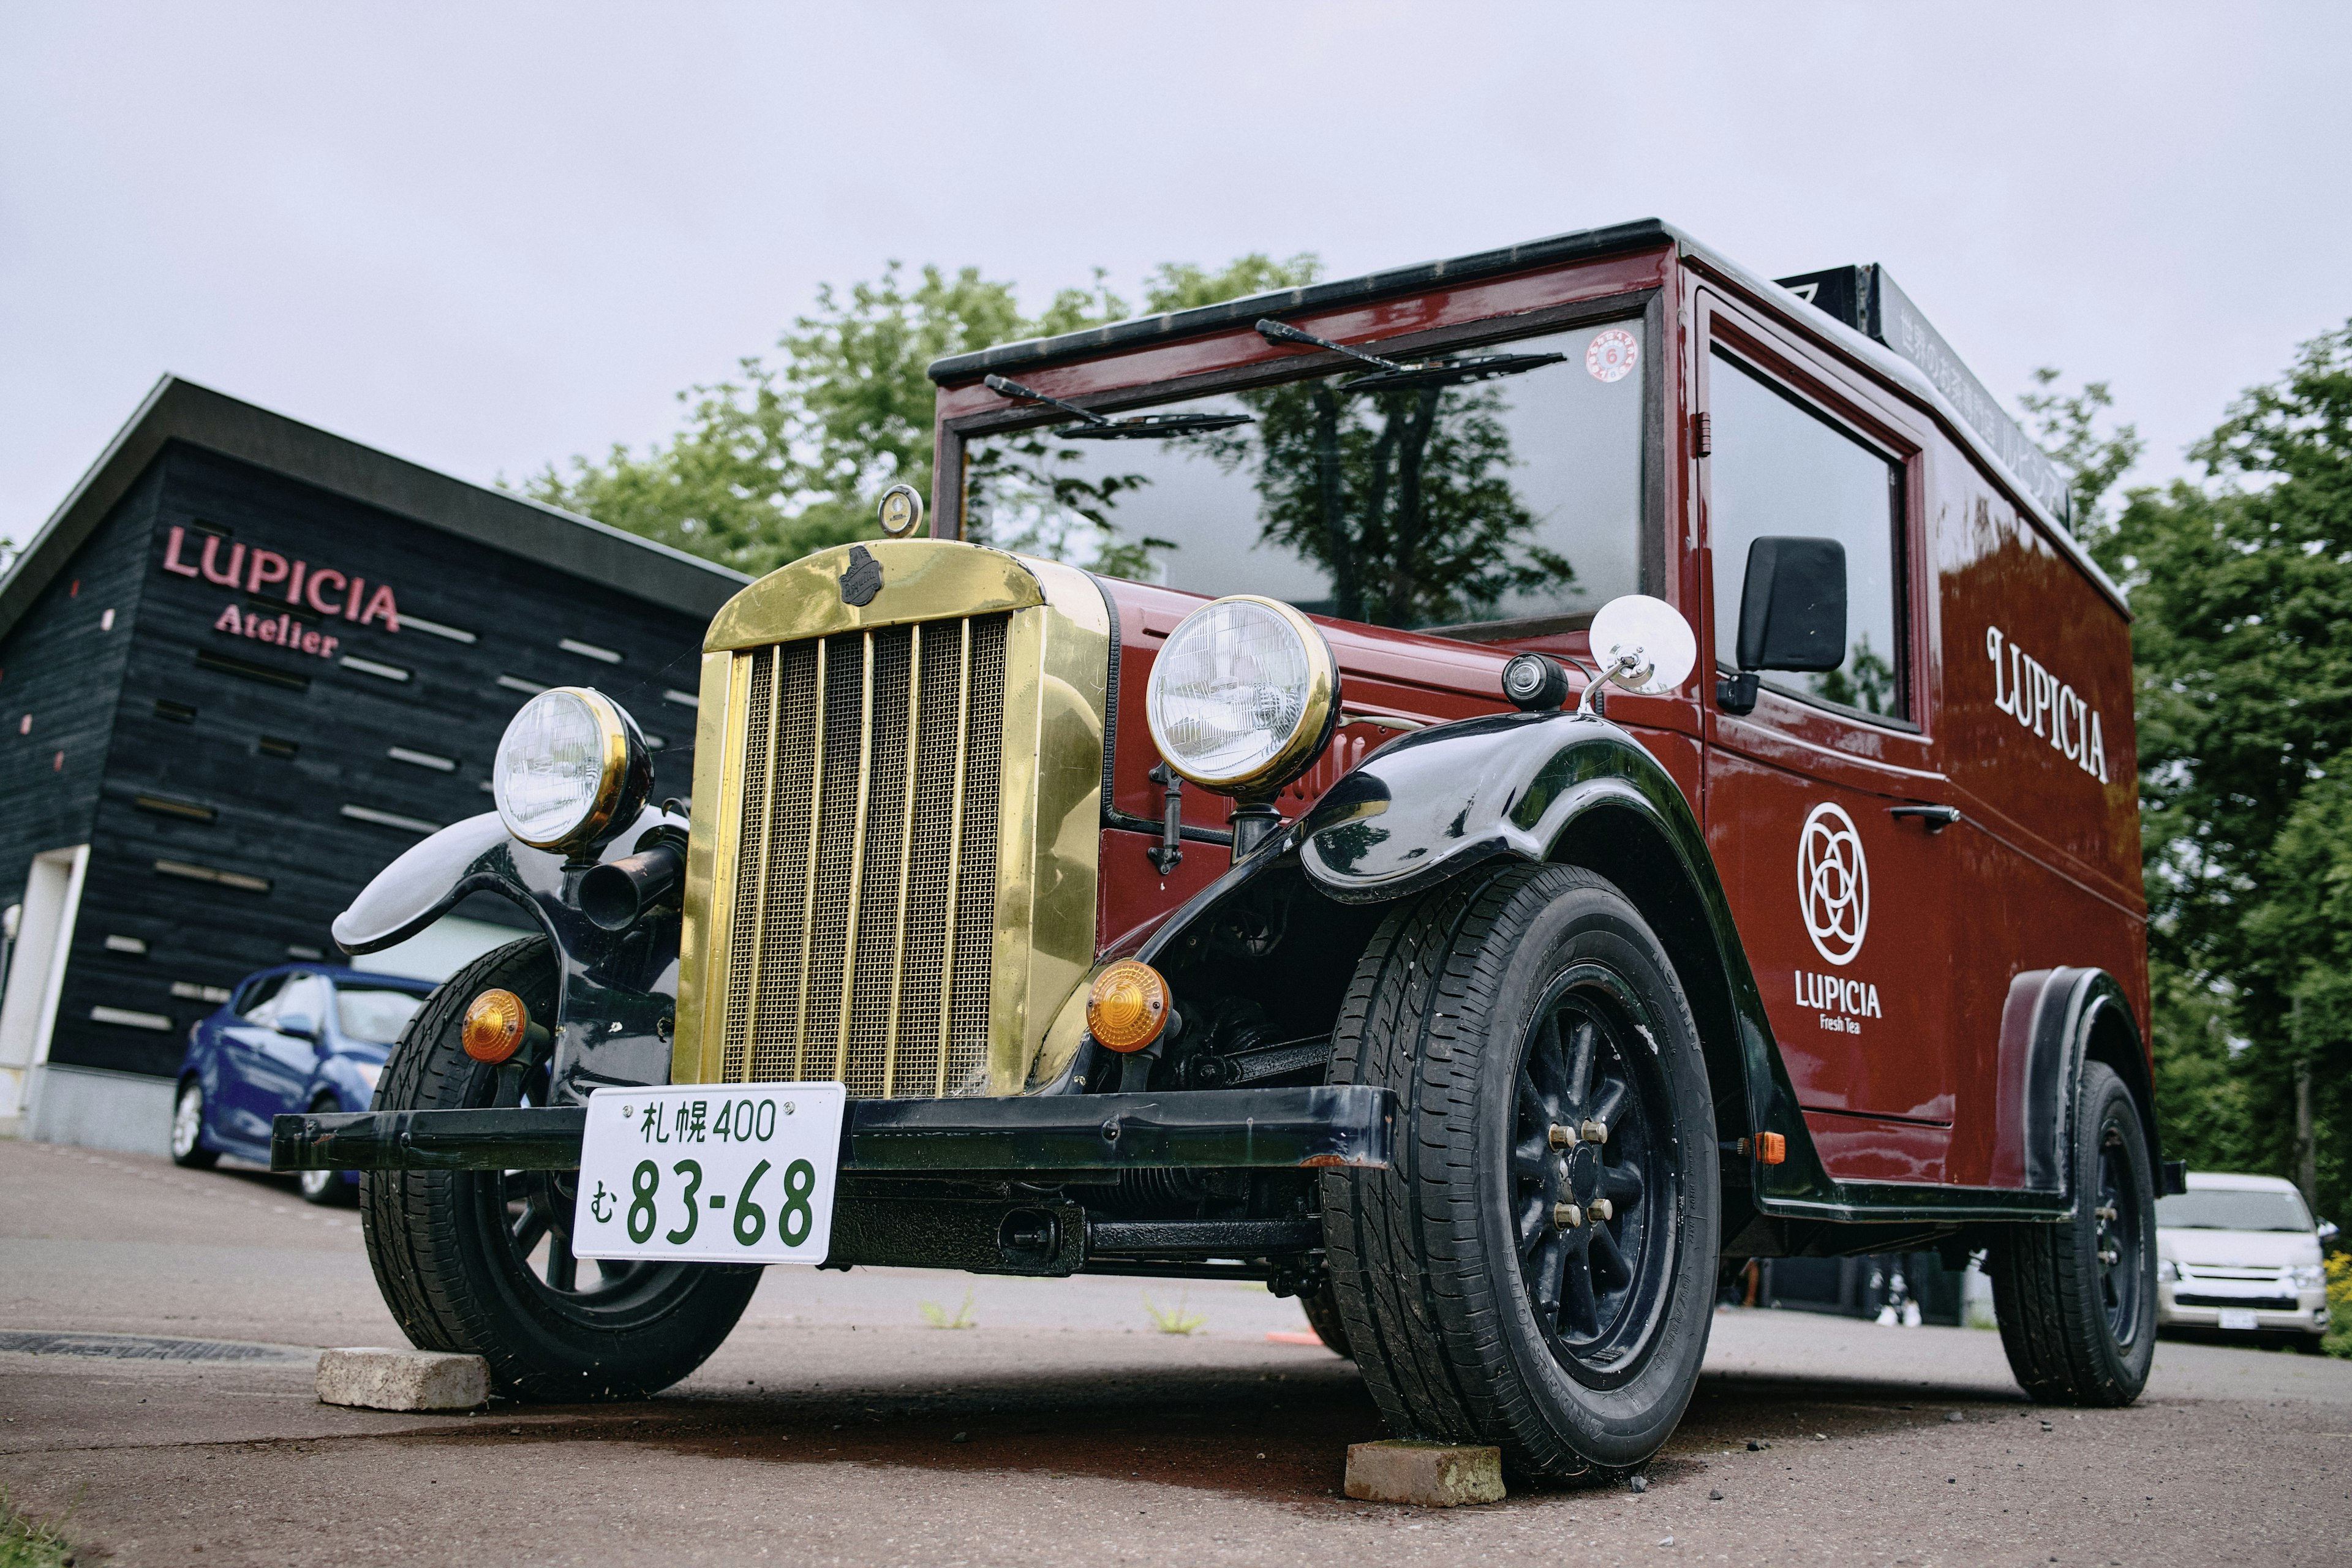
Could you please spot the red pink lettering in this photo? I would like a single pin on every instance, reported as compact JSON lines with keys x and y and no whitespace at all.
{"x":322,"y":589}
{"x":284,"y":631}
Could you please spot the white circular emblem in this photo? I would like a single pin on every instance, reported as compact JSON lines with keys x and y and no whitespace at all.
{"x":1612,"y":354}
{"x":1832,"y":883}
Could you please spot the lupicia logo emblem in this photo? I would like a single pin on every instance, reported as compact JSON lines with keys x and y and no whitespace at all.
{"x":1832,"y":883}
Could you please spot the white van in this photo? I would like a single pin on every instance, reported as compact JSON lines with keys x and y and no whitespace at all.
{"x":2241,"y":1253}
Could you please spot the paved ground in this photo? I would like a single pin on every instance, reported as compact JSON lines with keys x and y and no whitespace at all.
{"x":837,"y":1426}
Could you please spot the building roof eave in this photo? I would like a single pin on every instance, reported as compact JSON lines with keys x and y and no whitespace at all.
{"x":176,"y":409}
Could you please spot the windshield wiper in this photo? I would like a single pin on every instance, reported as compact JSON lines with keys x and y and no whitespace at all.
{"x":1142,"y":427}
{"x":1388,"y":375}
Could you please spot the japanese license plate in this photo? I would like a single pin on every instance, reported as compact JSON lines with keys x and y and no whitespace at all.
{"x":710,"y":1173}
{"x":2239,"y":1317}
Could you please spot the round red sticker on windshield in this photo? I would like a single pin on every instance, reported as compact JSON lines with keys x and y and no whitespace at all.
{"x":1612,"y":354}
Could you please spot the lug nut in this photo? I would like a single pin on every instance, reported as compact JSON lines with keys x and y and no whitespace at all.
{"x":1568,"y":1216}
{"x":1595,"y":1132}
{"x":1562,"y":1136}
{"x":1603,"y":1209}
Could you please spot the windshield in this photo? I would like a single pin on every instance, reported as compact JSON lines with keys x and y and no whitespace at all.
{"x":1518,"y":497}
{"x":2226,"y":1208}
{"x":374,"y":1014}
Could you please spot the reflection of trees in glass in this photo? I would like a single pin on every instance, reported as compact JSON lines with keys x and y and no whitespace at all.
{"x":1016,"y":498}
{"x":1403,"y":497}
{"x":1866,"y":680}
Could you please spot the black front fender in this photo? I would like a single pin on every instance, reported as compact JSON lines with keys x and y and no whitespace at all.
{"x":619,"y":989}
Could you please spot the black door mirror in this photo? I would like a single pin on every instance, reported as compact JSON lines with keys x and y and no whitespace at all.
{"x":299,"y":1026}
{"x":1791,"y":614}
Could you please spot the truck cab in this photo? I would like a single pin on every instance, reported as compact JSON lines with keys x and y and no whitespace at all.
{"x":1599,"y":767}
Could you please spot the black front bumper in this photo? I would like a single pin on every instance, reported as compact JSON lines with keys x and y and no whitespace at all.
{"x":1341,"y":1125}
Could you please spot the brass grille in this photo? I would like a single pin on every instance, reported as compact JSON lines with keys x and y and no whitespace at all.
{"x":860,"y":942}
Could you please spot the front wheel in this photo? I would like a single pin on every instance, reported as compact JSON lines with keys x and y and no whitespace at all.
{"x":480,"y":1262}
{"x":1535,"y":1270}
{"x":188,"y":1130}
{"x":2076,"y":1299}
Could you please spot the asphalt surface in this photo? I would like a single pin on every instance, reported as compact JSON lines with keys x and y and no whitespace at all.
{"x":837,"y":1426}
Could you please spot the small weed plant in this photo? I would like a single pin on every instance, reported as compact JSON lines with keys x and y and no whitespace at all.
{"x":2340,"y":1304}
{"x":29,"y":1542}
{"x":1178,"y":1322}
{"x":938,"y":1317}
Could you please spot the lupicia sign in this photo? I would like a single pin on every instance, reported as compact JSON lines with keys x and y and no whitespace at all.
{"x":321,"y":590}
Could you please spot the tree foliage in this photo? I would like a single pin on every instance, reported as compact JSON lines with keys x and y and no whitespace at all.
{"x":2241,"y":589}
{"x":791,"y":453}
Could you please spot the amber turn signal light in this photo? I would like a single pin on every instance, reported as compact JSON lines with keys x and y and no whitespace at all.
{"x":1771,"y":1148}
{"x":1128,"y":1006}
{"x":495,"y":1024}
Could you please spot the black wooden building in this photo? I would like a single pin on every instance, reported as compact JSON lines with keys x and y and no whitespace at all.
{"x":243,"y":667}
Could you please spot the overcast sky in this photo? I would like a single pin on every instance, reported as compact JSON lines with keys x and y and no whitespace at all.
{"x":489,"y":236}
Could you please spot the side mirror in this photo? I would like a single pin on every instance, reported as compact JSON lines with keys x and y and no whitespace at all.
{"x":2328,"y":1232}
{"x":1791,"y":613}
{"x":299,"y":1026}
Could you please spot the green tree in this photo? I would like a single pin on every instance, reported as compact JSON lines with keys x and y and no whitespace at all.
{"x":790,"y":454}
{"x":2242,"y":590}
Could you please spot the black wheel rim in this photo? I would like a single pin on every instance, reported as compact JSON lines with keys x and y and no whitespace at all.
{"x":2119,"y":1234}
{"x":1591,"y":1181}
{"x":531,"y":1211}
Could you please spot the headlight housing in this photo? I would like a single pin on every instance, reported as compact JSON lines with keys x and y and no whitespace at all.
{"x":2307,"y":1275}
{"x":570,"y":769}
{"x":1243,"y":696}
{"x":2167,"y":1270}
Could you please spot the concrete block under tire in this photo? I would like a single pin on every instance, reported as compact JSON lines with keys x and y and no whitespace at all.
{"x":1431,"y":1475}
{"x":375,"y":1379}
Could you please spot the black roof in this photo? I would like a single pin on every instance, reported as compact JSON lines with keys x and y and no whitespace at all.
{"x":1640,"y":234}
{"x":178,"y":410}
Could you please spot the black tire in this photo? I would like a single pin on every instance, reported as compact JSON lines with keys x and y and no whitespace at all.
{"x":188,"y":1128}
{"x":325,"y":1188}
{"x":1477,"y":1002}
{"x":2076,"y":1299}
{"x":453,"y":1250}
{"x":1323,"y":1316}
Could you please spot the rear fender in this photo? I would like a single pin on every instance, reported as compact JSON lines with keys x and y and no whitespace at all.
{"x":2056,"y":1021}
{"x":619,"y":989}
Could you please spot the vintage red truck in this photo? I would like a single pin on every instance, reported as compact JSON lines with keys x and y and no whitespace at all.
{"x":1627,"y":772}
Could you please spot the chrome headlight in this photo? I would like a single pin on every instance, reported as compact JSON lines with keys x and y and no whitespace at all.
{"x":2307,"y":1275}
{"x":571,"y":768}
{"x":1243,"y":696}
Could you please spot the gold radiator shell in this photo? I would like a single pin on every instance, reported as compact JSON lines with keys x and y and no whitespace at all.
{"x":842,"y":998}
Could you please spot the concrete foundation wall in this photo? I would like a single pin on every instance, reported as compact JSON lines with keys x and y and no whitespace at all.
{"x":95,"y":1109}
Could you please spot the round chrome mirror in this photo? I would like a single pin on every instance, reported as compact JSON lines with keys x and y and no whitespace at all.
{"x":1651,"y":633}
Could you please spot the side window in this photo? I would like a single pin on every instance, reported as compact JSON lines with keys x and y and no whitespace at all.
{"x":1777,"y":469}
{"x":259,"y":1003}
{"x":305,"y":997}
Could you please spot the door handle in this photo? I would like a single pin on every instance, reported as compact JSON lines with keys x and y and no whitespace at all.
{"x":1934,"y":818}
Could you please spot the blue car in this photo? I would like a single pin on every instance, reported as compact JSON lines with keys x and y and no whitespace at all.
{"x":301,"y":1038}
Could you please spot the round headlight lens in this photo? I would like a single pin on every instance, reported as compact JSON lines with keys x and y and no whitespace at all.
{"x":560,"y":767}
{"x":1242,"y":694}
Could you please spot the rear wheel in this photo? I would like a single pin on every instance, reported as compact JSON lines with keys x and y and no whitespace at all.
{"x":328,"y":1189}
{"x":188,"y":1130}
{"x":2077,"y":1300}
{"x":480,"y":1261}
{"x":1536,"y":1268}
